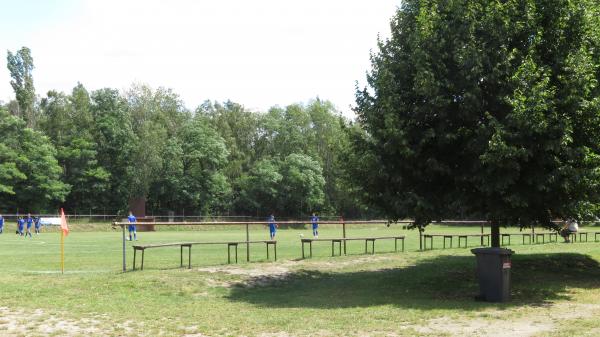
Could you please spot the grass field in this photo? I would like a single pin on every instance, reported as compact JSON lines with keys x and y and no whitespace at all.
{"x":556,"y":287}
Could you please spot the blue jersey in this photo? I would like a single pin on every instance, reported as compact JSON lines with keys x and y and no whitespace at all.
{"x":21,"y":223}
{"x":37,"y":222}
{"x":272,"y":224}
{"x":1,"y":221}
{"x":315,"y":221}
{"x":29,"y":222}
{"x":132,"y":221}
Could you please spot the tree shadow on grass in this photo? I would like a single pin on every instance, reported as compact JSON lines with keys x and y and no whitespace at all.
{"x":444,"y":282}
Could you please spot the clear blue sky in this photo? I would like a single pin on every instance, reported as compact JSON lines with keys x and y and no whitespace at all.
{"x":259,"y":53}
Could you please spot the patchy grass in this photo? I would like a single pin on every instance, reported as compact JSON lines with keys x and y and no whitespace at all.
{"x":556,"y":288}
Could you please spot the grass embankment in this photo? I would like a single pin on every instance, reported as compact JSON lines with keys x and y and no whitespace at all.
{"x":556,"y":287}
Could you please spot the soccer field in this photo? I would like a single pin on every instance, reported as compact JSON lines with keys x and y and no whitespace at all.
{"x":556,"y":287}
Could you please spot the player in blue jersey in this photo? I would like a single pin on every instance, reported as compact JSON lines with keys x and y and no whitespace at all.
{"x":29,"y":221}
{"x":272,"y":227}
{"x":131,"y":218}
{"x":1,"y":224}
{"x":36,"y":223}
{"x":314,"y":220}
{"x":20,"y":226}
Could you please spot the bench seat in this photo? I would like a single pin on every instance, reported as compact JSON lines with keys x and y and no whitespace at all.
{"x":189,"y":245}
{"x":340,"y":240}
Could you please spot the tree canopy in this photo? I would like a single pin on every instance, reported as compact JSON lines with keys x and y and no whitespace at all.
{"x":483,"y":108}
{"x":106,"y":147}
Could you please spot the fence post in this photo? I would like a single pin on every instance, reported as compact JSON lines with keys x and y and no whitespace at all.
{"x":124,"y":259}
{"x":247,"y":243}
{"x":344,"y":233}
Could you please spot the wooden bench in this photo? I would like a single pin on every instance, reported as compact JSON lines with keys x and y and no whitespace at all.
{"x":529,"y":236}
{"x":449,"y":238}
{"x":189,"y":245}
{"x":582,"y":234}
{"x":340,"y":240}
{"x":180,"y":244}
{"x":543,"y":236}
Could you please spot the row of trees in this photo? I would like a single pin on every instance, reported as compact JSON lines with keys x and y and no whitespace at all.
{"x":96,"y":150}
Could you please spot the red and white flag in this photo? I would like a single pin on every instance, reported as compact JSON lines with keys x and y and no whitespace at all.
{"x":63,"y":223}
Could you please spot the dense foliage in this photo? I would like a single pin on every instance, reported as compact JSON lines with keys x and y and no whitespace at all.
{"x":484,"y":108}
{"x":94,"y":151}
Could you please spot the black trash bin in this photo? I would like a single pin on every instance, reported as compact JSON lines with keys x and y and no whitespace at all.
{"x":493,"y":271}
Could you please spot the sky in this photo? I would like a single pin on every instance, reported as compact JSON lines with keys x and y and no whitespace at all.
{"x":259,"y":53}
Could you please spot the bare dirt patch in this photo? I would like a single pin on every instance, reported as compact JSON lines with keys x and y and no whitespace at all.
{"x":39,"y":323}
{"x":495,"y":324}
{"x":265,"y":274}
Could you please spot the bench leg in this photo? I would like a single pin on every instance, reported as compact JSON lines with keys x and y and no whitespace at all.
{"x":332,"y":248}
{"x":189,"y":257}
{"x":180,"y":256}
{"x":303,"y":249}
{"x":267,"y":251}
{"x":341,"y":248}
{"x":402,"y":244}
{"x":444,"y":244}
{"x":450,"y":242}
{"x":228,"y":254}
{"x":275,"y":250}
{"x":373,"y":247}
{"x":134,"y":251}
{"x":142,"y":259}
{"x":310,"y":247}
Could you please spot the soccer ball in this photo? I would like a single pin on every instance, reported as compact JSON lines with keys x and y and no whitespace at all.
{"x":301,"y":235}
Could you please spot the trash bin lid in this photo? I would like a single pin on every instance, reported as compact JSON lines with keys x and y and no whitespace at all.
{"x":492,"y":251}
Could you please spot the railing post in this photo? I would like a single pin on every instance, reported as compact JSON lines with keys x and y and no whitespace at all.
{"x":344,"y":233}
{"x":420,"y":238}
{"x":482,"y":234}
{"x":124,"y":259}
{"x":247,"y":243}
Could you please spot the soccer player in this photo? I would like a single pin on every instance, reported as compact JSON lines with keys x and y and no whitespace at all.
{"x":29,"y":223}
{"x":131,"y":218}
{"x":315,"y":225}
{"x":36,"y":223}
{"x":272,"y":227}
{"x":20,"y":225}
{"x":1,"y":224}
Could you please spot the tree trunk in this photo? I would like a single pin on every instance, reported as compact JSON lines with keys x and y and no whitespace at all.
{"x":495,"y":233}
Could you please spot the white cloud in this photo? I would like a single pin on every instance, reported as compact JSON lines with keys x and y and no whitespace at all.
{"x":258,"y":53}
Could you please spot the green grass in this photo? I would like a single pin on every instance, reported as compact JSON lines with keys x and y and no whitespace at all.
{"x":410,"y":293}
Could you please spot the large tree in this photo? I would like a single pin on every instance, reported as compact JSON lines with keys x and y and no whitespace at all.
{"x":68,"y":121}
{"x":20,"y":66}
{"x":489,"y":108}
{"x":29,"y":171}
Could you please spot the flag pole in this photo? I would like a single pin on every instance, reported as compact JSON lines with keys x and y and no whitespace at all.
{"x":62,"y":251}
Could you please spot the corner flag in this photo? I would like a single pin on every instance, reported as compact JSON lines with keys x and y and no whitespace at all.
{"x":63,"y":223}
{"x":64,"y":232}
